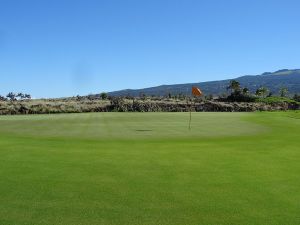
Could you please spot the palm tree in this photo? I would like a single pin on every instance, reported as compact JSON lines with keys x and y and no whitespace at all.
{"x":245,"y":91}
{"x":234,"y":86}
{"x":283,"y":92}
{"x":262,"y":91}
{"x":265,"y":91}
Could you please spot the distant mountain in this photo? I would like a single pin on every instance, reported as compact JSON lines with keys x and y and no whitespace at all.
{"x":273,"y":81}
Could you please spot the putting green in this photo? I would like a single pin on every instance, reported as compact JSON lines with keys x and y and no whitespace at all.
{"x":149,"y":169}
{"x":103,"y":126}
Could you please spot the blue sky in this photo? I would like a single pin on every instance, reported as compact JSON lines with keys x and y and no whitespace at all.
{"x":66,"y":47}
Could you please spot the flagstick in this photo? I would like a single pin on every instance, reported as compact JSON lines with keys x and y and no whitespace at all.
{"x":190,"y":118}
{"x":190,"y":115}
{"x":195,"y":92}
{"x":187,"y":102}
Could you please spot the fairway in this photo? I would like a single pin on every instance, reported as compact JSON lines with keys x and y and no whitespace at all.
{"x":149,"y":169}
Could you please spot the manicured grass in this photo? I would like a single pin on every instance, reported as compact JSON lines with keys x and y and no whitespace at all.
{"x":149,"y":169}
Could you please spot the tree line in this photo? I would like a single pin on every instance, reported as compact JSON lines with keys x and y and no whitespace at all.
{"x":236,"y":93}
{"x":239,"y":93}
{"x":11,"y":96}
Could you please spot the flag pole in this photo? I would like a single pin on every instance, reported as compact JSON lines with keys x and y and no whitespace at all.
{"x":190,"y":118}
{"x":187,"y":102}
{"x":195,"y":92}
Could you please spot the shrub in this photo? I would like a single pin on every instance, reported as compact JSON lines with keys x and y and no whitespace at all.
{"x":239,"y":97}
{"x":103,"y":95}
{"x":296,"y":98}
{"x":274,"y":99}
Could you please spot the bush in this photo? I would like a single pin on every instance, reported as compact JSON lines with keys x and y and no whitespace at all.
{"x":274,"y":99}
{"x":103,"y":95}
{"x":239,"y":97}
{"x":297,"y":98}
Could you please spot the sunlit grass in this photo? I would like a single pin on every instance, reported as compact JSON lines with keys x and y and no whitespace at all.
{"x":148,"y":168}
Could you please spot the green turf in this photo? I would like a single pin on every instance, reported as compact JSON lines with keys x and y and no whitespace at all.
{"x":149,"y":169}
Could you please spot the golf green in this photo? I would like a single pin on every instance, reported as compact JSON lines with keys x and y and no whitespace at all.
{"x":150,"y":169}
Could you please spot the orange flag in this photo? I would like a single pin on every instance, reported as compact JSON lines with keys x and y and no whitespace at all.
{"x":196,"y":91}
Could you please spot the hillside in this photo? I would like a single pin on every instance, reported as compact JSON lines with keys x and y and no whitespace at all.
{"x":273,"y":81}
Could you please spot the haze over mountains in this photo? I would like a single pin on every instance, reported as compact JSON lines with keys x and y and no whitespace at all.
{"x":272,"y":80}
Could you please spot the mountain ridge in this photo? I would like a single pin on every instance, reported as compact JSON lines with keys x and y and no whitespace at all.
{"x":289,"y":78}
